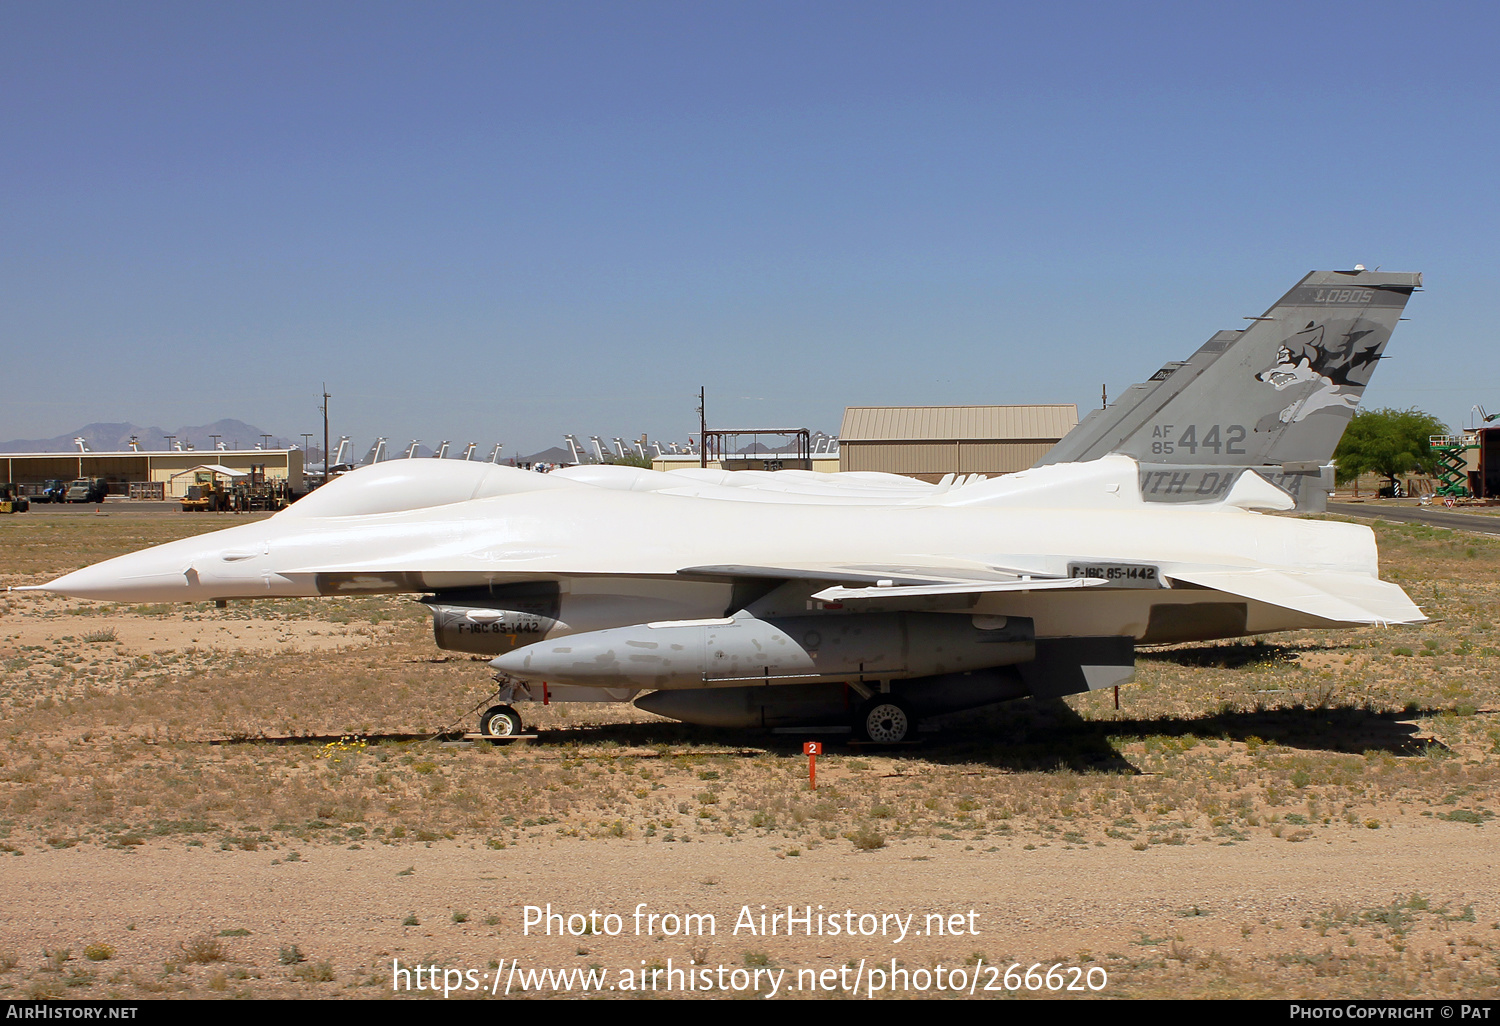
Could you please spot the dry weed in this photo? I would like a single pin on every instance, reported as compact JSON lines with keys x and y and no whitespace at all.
{"x":202,"y":949}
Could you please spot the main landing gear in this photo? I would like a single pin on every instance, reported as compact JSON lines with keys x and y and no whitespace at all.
{"x":885,"y":720}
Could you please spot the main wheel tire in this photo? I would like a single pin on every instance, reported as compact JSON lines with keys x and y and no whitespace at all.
{"x":500,"y":721}
{"x":885,"y":720}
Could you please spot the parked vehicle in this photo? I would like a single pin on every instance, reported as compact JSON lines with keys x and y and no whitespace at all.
{"x":13,"y":499}
{"x":87,"y":489}
{"x":207,"y":496}
{"x":49,"y":491}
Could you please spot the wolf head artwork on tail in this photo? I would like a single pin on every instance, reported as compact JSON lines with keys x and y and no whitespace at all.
{"x":1337,"y":373}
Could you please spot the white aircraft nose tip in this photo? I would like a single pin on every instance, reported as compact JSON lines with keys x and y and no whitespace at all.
{"x":232,"y":563}
{"x":108,"y":581}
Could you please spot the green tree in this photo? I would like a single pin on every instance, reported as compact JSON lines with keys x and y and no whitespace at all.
{"x":1389,"y":443}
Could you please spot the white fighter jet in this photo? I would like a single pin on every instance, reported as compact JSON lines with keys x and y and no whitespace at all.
{"x":764,"y":613}
{"x":794,"y":599}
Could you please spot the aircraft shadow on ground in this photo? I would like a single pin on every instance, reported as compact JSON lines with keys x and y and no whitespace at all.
{"x":317,"y":739}
{"x":1235,"y":655}
{"x":1031,"y":735}
{"x":1024,"y":736}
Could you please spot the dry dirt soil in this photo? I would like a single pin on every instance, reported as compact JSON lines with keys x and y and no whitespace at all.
{"x":251,"y":802}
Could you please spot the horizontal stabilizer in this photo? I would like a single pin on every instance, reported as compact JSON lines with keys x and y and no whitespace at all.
{"x":1342,"y":598}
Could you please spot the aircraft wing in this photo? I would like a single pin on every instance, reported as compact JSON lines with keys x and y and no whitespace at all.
{"x":1338,"y":597}
{"x":1341,"y":597}
{"x":898,"y":588}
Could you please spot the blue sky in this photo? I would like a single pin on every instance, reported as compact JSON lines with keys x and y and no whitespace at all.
{"x":507,"y":221}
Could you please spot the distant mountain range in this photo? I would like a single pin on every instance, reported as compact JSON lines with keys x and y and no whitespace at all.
{"x":235,"y":434}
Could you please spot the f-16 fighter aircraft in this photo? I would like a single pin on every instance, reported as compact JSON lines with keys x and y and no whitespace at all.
{"x":785,"y":600}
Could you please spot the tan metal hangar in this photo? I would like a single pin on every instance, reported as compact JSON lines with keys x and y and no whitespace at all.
{"x":149,"y":475}
{"x":928,"y":442}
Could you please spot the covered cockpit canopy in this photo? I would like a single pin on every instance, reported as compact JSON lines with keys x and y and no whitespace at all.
{"x":401,"y":485}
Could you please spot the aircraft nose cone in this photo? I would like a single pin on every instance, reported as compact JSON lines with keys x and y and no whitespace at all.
{"x":125,"y":579}
{"x":181,"y":571}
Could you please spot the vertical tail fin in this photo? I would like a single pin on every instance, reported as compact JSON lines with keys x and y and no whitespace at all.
{"x":1274,"y":397}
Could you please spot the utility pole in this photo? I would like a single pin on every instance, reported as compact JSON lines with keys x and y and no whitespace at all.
{"x":1103,"y":397}
{"x":702,"y":428}
{"x":324,"y":408}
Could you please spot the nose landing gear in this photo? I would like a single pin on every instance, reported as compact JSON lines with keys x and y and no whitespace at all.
{"x":500,"y":721}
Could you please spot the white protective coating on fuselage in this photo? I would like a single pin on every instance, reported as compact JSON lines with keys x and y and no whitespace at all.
{"x":527,"y":527}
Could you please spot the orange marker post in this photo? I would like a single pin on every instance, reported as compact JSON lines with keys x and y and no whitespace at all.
{"x":812,"y":749}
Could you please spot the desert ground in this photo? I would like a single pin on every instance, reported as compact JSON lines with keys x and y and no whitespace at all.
{"x":265,"y":801}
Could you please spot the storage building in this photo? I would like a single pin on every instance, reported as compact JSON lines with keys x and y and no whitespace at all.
{"x":928,"y":442}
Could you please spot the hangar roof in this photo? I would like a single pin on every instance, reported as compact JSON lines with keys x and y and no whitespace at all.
{"x":956,"y":423}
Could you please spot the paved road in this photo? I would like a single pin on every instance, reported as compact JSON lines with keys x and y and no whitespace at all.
{"x":109,"y":506}
{"x":1475,"y":522}
{"x":123,"y":507}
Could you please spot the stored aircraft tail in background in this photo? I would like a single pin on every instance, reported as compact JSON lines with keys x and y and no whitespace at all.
{"x":1274,"y":397}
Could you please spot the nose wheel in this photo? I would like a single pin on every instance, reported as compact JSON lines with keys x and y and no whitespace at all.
{"x":500,"y":721}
